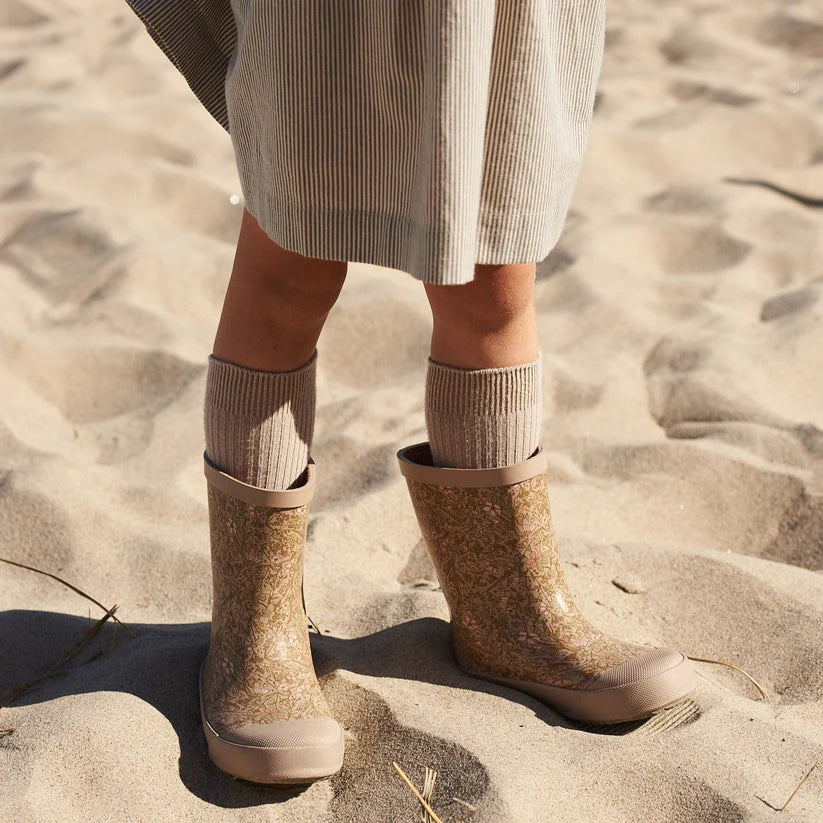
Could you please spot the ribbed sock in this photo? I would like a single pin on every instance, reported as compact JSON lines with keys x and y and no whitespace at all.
{"x":259,"y":425}
{"x":483,"y":418}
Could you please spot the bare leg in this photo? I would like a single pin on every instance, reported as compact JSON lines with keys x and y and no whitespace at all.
{"x":487,"y":323}
{"x":276,"y":303}
{"x":259,"y":424}
{"x":483,"y":382}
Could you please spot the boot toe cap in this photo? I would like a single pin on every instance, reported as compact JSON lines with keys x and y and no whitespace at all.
{"x":295,"y":733}
{"x":637,"y":688}
{"x":642,"y":685}
{"x":298,"y":750}
{"x":649,"y":664}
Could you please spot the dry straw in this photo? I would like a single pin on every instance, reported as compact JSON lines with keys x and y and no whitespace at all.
{"x":12,"y":694}
{"x":69,"y":585}
{"x":796,"y":788}
{"x":428,"y":791}
{"x":423,"y":802}
{"x":736,"y":668}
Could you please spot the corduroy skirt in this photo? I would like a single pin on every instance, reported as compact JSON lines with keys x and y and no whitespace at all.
{"x":418,"y":135}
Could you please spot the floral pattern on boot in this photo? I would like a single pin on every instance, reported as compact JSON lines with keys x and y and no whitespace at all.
{"x":259,"y":667}
{"x":512,"y":614}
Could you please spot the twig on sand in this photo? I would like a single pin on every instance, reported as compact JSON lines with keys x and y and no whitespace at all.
{"x":428,"y":791}
{"x":805,"y":776}
{"x":416,"y":793}
{"x":109,"y":612}
{"x":804,"y":199}
{"x":12,"y":694}
{"x":6,"y":733}
{"x":736,"y":668}
{"x":467,"y":805}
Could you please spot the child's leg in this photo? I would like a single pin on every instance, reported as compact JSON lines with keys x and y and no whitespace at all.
{"x":260,"y":388}
{"x":264,"y":714}
{"x":484,"y":378}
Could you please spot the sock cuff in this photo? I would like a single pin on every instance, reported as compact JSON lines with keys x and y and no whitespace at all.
{"x":492,"y":391}
{"x":240,"y":390}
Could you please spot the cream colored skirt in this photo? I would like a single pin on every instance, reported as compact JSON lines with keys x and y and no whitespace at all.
{"x":419,"y":135}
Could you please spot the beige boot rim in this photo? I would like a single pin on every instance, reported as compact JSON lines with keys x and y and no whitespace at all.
{"x":255,"y":496}
{"x":416,"y":464}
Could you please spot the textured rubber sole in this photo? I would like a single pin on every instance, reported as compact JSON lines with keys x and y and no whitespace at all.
{"x":619,"y":704}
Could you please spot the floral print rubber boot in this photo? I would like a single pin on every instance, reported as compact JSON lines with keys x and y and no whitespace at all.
{"x":264,"y":715}
{"x":513,"y":620}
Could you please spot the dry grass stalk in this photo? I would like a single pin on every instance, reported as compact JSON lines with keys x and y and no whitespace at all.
{"x":463,"y":802}
{"x":796,"y":788}
{"x":15,"y":692}
{"x":416,"y":793}
{"x":736,"y":668}
{"x":109,"y":612}
{"x":428,"y":791}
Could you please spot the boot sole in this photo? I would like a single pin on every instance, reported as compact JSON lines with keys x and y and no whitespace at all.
{"x":618,"y":704}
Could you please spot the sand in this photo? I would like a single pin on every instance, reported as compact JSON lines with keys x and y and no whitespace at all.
{"x":680,"y":318}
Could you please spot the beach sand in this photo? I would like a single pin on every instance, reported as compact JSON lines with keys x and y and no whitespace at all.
{"x":680,"y":318}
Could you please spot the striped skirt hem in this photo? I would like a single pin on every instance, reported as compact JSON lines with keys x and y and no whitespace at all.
{"x":417,"y":136}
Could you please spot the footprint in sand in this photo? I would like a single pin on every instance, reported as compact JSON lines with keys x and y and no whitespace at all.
{"x":684,"y":199}
{"x":57,"y":251}
{"x":727,"y":375}
{"x":687,"y":44}
{"x":688,"y":90}
{"x":697,"y":247}
{"x":558,"y":260}
{"x":10,"y":67}
{"x":88,"y":384}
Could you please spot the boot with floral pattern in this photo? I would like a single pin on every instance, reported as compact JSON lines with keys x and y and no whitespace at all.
{"x":264,"y":715}
{"x":489,"y":534}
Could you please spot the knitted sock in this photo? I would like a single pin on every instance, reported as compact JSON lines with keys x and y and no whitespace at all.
{"x":259,"y":425}
{"x":483,"y":418}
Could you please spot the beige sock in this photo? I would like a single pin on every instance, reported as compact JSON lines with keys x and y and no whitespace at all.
{"x":259,"y":425}
{"x":483,"y":418}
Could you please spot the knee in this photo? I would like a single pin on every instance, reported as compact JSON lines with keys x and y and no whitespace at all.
{"x":304,"y":293}
{"x":275,"y":281}
{"x":497,"y":297}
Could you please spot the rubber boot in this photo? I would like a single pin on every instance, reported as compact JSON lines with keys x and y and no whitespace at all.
{"x":513,"y":619}
{"x":264,"y":715}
